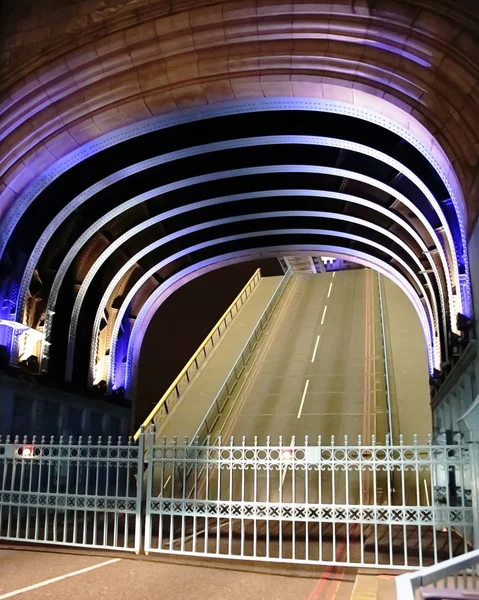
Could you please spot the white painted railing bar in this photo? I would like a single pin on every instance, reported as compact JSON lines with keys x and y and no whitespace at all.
{"x":385,"y":361}
{"x":458,"y":573}
{"x":172,"y":395}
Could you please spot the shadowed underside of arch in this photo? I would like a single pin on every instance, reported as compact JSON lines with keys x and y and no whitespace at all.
{"x":135,"y":158}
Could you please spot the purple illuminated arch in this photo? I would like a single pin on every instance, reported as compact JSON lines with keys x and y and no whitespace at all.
{"x":154,"y":245}
{"x":420,"y":139}
{"x":382,"y":113}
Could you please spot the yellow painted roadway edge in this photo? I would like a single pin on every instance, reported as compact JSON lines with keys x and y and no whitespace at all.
{"x":151,"y":416}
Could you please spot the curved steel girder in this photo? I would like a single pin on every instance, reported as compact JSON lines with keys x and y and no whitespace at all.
{"x":433,"y":359}
{"x":234,"y":108}
{"x":175,"y":281}
{"x":236,"y":197}
{"x":158,"y":243}
{"x":214,"y":177}
{"x":247,"y":142}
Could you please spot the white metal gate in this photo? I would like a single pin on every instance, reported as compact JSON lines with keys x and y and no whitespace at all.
{"x":75,"y":494}
{"x":400,"y":506}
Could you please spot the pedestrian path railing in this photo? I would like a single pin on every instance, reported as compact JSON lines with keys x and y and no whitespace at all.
{"x":287,"y":500}
{"x":455,"y":578}
{"x":210,"y":420}
{"x":176,"y":390}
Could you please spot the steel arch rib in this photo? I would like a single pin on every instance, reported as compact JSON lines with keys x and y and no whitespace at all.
{"x":244,"y":142}
{"x":221,"y":175}
{"x":203,"y":245}
{"x":214,"y":177}
{"x":314,"y":214}
{"x":153,"y":302}
{"x":234,"y":108}
{"x":232,"y":198}
{"x":211,"y":224}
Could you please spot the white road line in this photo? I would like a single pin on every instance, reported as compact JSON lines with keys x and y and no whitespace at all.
{"x":55,"y":579}
{"x":302,"y":400}
{"x":334,"y":273}
{"x":329,"y":291}
{"x":315,"y":349}
{"x":324,"y":314}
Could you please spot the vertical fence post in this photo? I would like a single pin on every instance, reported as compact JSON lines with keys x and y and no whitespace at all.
{"x":149,"y":485}
{"x":469,"y":428}
{"x":474,"y":458}
{"x":139,"y":492}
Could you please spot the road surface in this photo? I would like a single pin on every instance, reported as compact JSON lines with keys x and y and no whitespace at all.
{"x":321,"y":371}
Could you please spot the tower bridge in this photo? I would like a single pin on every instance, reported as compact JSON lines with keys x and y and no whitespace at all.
{"x":146,"y":144}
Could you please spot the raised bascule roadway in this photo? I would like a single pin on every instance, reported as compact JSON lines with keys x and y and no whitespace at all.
{"x":316,"y":376}
{"x":319,"y":367}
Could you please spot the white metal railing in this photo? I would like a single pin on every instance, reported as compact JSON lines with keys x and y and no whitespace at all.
{"x":300,"y":502}
{"x":209,"y":421}
{"x":452,"y":579}
{"x":74,"y":494}
{"x":307,"y":502}
{"x":172,"y":395}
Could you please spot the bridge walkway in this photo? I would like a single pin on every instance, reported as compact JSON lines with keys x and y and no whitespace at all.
{"x":184,"y":420}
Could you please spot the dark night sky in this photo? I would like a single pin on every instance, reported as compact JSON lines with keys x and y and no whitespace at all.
{"x":182,"y":323}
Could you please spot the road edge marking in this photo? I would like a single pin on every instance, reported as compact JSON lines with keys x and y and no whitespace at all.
{"x":315,"y":348}
{"x":302,"y":401}
{"x":59,"y":578}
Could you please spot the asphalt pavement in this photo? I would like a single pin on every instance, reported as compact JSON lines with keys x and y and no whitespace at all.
{"x":44,"y":574}
{"x":321,"y":370}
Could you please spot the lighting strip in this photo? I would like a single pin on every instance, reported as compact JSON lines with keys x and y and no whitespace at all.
{"x":211,"y":202}
{"x":218,"y":146}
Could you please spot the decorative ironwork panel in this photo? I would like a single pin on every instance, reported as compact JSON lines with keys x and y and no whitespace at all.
{"x":78,"y":494}
{"x":382,"y":505}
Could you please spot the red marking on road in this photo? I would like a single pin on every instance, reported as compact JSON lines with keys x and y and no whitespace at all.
{"x":325,"y":587}
{"x":332,"y":576}
{"x":328,"y":585}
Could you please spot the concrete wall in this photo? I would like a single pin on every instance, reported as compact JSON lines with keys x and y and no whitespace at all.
{"x":30,"y":409}
{"x":474,"y":267}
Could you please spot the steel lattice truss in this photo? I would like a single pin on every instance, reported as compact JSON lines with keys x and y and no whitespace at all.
{"x":140,"y":154}
{"x":173,"y":209}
